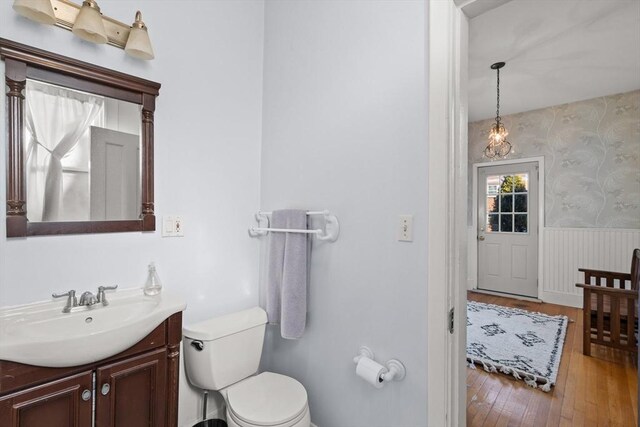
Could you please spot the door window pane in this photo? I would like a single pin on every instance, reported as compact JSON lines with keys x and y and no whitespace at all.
{"x":492,"y":204}
{"x":520,"y":203}
{"x":493,"y":184}
{"x":520,"y":223}
{"x":514,"y":183}
{"x":521,"y":183}
{"x":493,"y":223}
{"x":506,"y":223}
{"x":506,"y":203}
{"x":506,"y":184}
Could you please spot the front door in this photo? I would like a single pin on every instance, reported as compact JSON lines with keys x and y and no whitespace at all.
{"x":508,"y":229}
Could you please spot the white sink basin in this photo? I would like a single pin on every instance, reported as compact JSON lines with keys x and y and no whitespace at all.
{"x":40,"y":334}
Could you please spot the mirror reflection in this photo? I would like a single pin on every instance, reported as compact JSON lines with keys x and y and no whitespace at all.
{"x":82,"y":155}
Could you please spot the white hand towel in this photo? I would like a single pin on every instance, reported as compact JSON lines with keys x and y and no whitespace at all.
{"x":287,"y":273}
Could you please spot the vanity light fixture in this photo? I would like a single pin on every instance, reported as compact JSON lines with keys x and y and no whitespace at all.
{"x":37,"y":10}
{"x":87,"y":22}
{"x":498,"y":145}
{"x":138,"y":43}
{"x":88,"y":25}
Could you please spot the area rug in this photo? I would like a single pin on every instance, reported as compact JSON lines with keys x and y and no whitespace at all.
{"x":517,"y":342}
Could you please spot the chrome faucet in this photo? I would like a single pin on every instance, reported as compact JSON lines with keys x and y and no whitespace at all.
{"x":88,"y":299}
{"x":72,"y":301}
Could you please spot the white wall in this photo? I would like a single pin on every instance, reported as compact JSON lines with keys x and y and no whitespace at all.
{"x":207,"y":159}
{"x":345,"y":130}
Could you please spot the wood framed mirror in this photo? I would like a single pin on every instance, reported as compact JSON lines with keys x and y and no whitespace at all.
{"x":79,"y":146}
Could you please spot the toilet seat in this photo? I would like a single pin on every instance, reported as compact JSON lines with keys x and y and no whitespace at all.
{"x":267,"y":399}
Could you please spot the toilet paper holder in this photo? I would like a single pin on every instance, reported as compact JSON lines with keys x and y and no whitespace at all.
{"x":395,"y":370}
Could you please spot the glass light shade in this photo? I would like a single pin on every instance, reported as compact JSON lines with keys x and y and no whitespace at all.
{"x":498,"y":133}
{"x":498,"y":145}
{"x":89,"y":25}
{"x":139,"y":43}
{"x":37,"y":10}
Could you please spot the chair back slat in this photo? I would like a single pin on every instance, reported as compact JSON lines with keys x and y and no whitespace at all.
{"x":600,"y":319}
{"x":631,"y":321}
{"x":615,"y":322}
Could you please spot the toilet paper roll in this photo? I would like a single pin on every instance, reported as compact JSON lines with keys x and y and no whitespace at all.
{"x":370,"y":371}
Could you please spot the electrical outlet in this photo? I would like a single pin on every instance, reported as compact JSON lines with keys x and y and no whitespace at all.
{"x":178,"y":225}
{"x":172,"y":226}
{"x":405,"y":231}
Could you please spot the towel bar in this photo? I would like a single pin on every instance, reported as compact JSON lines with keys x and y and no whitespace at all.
{"x":284,"y":230}
{"x":330,"y":232}
{"x":308,"y":213}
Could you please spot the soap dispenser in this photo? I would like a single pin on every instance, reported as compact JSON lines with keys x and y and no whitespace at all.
{"x":153,"y":286}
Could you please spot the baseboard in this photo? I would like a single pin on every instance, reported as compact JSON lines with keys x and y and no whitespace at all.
{"x":550,"y":297}
{"x":561,"y":298}
{"x":501,"y":294}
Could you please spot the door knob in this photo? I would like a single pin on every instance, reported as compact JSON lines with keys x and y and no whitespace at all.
{"x":86,"y":395}
{"x":105,"y":389}
{"x":480,"y":237}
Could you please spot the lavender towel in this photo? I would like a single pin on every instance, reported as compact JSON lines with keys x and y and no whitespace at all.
{"x":287,"y":277}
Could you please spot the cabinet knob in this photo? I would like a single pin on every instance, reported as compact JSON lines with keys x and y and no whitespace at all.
{"x":105,"y":389}
{"x":86,"y":395}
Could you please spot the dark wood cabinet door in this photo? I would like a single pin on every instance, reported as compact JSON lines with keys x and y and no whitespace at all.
{"x":133,"y":392}
{"x":54,"y":404}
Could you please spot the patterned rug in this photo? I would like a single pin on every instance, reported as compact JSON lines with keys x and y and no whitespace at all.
{"x":521,"y":343}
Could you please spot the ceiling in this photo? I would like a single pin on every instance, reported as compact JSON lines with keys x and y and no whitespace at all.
{"x":557,"y":51}
{"x":473,"y":8}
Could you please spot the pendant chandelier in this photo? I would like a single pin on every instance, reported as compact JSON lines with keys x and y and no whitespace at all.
{"x":498,"y":146}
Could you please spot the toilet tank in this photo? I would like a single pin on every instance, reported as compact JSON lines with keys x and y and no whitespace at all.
{"x":224,"y":350}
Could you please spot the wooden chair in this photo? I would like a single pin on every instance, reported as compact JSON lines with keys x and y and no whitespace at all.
{"x":610,"y":307}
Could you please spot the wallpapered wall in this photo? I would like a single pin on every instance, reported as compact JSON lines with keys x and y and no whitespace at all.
{"x":592,"y":158}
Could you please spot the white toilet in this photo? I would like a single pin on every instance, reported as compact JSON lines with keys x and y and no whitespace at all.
{"x":223,"y":354}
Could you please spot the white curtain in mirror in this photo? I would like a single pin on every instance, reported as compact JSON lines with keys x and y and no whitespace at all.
{"x":56,"y":120}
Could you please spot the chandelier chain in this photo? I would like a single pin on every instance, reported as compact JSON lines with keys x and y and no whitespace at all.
{"x":498,"y":97}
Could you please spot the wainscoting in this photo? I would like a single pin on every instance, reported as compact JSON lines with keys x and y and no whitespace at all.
{"x":567,"y":249}
{"x":564,"y":250}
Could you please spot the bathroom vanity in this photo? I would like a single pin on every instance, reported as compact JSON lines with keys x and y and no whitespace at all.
{"x":114,"y":363}
{"x":137,"y":387}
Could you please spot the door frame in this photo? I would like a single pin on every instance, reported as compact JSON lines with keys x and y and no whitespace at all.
{"x":473,"y":230}
{"x":447,"y":37}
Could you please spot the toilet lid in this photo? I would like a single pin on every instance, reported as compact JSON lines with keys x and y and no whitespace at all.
{"x":267,"y":399}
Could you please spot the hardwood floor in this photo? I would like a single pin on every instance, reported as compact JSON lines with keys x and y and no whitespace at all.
{"x":600,"y":390}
